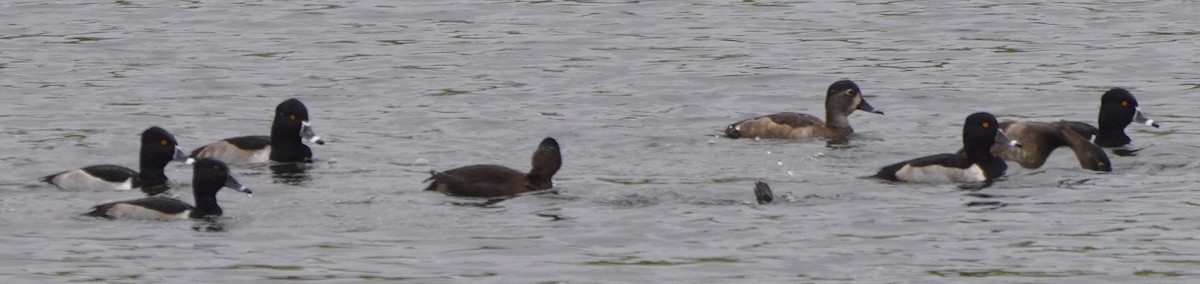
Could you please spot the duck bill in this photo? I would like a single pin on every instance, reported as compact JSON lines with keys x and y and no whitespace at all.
{"x":233,"y":183}
{"x":1140,"y":118}
{"x":1004,"y":140}
{"x":307,"y":133}
{"x":864,"y":106}
{"x":180,"y":156}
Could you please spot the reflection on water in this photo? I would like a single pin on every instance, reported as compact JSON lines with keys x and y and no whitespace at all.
{"x":986,"y":204}
{"x":208,"y":224}
{"x":156,"y":189}
{"x":552,"y":216}
{"x":838,"y":142}
{"x":490,"y":203}
{"x":495,"y":201}
{"x":986,"y":200}
{"x":290,"y":173}
{"x":975,"y":186}
{"x":1127,"y":151}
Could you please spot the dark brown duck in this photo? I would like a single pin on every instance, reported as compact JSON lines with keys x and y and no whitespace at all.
{"x":496,"y":180}
{"x":1041,"y":138}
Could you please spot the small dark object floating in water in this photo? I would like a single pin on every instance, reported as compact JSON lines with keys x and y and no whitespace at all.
{"x":763,"y":192}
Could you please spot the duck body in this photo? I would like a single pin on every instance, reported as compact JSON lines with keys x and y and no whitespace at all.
{"x":149,"y":208}
{"x":482,"y":181}
{"x":940,"y":168}
{"x":240,"y":150}
{"x":95,"y":178}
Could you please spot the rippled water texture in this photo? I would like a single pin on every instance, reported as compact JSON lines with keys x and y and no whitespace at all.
{"x":634,"y":92}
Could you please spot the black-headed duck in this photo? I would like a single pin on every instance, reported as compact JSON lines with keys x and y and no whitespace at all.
{"x":1118,"y":108}
{"x":976,"y":163}
{"x":209,"y":177}
{"x":158,"y":149}
{"x":285,"y":144}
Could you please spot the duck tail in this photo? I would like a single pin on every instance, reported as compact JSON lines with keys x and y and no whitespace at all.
{"x":50,"y":178}
{"x":99,"y":211}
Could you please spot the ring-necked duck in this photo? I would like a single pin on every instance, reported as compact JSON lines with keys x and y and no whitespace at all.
{"x":842,"y":98}
{"x":284,"y":145}
{"x":158,"y":149}
{"x":495,"y":180}
{"x":763,"y":193}
{"x":1118,"y":108}
{"x":1039,"y":139}
{"x":209,"y":177}
{"x":975,"y":164}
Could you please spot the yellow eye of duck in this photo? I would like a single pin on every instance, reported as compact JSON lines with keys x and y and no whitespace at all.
{"x":163,"y":142}
{"x":217,"y":168}
{"x":1125,"y":103}
{"x":291,"y":117}
{"x":986,"y":125}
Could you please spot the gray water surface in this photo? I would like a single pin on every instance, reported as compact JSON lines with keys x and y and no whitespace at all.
{"x":635,"y":92}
